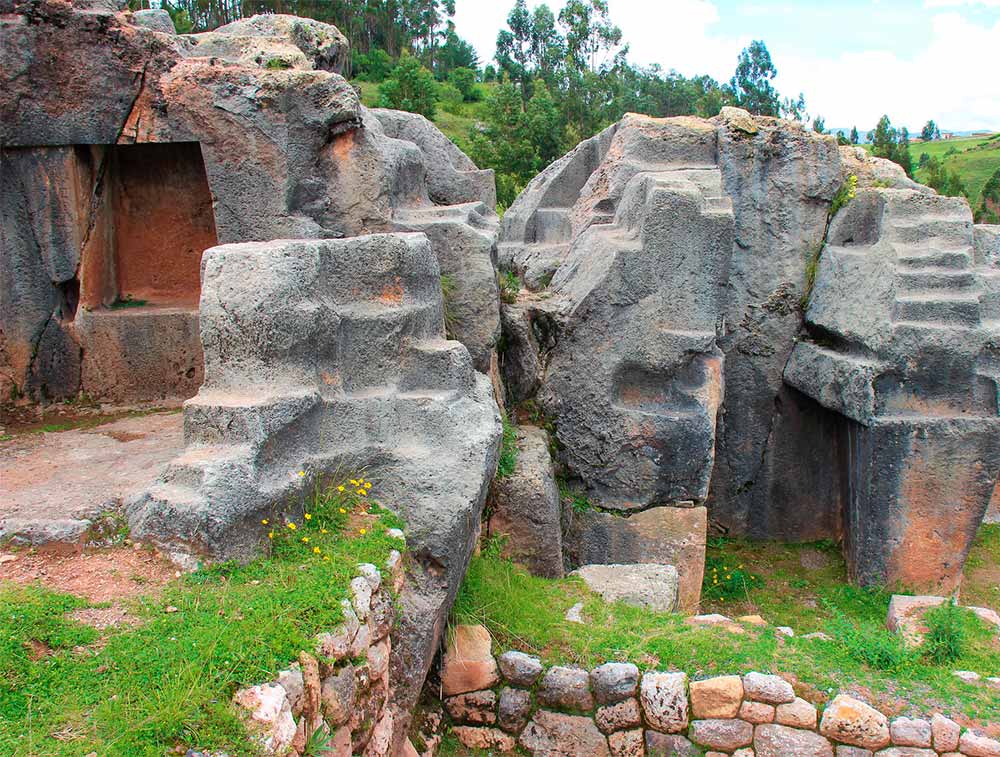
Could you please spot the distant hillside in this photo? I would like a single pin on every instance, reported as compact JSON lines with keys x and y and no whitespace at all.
{"x":975,"y":160}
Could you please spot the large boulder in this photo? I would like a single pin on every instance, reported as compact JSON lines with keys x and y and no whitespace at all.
{"x":127,"y":149}
{"x":324,"y":356}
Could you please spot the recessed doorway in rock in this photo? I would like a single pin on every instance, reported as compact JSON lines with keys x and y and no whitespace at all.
{"x":158,"y":221}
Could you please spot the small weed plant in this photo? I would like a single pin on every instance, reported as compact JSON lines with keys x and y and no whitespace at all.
{"x":577,"y":500}
{"x":508,"y":450}
{"x":945,"y":639}
{"x":847,"y":192}
{"x":725,"y":579}
{"x":510,"y":287}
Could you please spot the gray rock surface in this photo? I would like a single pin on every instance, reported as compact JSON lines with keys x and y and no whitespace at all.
{"x":525,"y":507}
{"x":614,"y":682}
{"x":270,"y":152}
{"x":551,"y":734}
{"x":519,"y":668}
{"x":772,"y":740}
{"x":642,"y":585}
{"x":156,"y":19}
{"x":564,"y":688}
{"x":307,"y":368}
{"x":57,"y":486}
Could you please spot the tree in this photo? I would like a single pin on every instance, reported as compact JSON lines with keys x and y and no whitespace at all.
{"x":751,"y":84}
{"x":855,"y":138}
{"x":464,"y":80}
{"x":819,"y":125}
{"x":902,"y":155}
{"x":842,"y":139}
{"x":989,"y":205}
{"x":927,"y":133}
{"x":410,"y":87}
{"x":589,"y":33}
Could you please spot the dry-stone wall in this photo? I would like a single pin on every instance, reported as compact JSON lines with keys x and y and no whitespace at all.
{"x":514,"y":702}
{"x":343,"y":687}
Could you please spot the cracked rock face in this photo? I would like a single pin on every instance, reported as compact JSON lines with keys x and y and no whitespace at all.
{"x":700,"y":329}
{"x":165,"y":145}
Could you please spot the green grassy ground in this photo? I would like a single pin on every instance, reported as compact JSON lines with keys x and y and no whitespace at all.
{"x":167,"y":680}
{"x":975,"y":161}
{"x":800,"y":586}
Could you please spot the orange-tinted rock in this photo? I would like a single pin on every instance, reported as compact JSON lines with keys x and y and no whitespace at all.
{"x":716,"y":697}
{"x":853,"y":722}
{"x":467,"y":664}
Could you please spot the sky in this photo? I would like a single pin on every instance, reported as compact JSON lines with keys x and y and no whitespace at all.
{"x":854,"y":60}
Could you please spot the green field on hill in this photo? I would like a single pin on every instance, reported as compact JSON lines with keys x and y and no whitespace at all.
{"x":974,"y":159}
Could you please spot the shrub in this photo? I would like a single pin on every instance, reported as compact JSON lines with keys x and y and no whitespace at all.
{"x":847,"y":192}
{"x":410,"y":87}
{"x":945,"y":637}
{"x":869,"y":643}
{"x":450,"y":98}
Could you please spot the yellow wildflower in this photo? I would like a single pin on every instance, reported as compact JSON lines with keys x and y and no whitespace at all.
{"x":340,"y":488}
{"x":270,"y":535}
{"x":264,"y":521}
{"x":362,"y":493}
{"x":353,"y":482}
{"x":317,"y":550}
{"x":301,"y":473}
{"x":305,"y":539}
{"x":323,"y":531}
{"x":326,"y":557}
{"x":343,"y":510}
{"x":368,"y":484}
{"x":292,"y":526}
{"x":363,"y":531}
{"x":308,"y":516}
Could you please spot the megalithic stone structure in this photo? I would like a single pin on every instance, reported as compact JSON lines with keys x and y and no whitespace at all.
{"x":899,"y":347}
{"x":325,"y":356}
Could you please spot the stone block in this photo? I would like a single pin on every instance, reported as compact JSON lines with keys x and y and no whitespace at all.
{"x":520,"y":669}
{"x":770,"y":689}
{"x":526,"y":507}
{"x":773,"y":740}
{"x":474,"y":707}
{"x":669,"y":745}
{"x":565,"y":688}
{"x":647,"y":585}
{"x":664,"y":701}
{"x":975,"y":744}
{"x":618,"y":717}
{"x":467,"y":664}
{"x":627,"y":743}
{"x":724,"y":734}
{"x":855,"y":723}
{"x":514,"y":709}
{"x":719,"y":697}
{"x":484,"y":738}
{"x":797,"y":714}
{"x":555,"y":733}
{"x":757,"y":712}
{"x":662,"y":535}
{"x":945,"y":733}
{"x":913,"y":732}
{"x":614,"y":682}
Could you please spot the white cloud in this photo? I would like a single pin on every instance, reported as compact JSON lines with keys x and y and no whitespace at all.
{"x":960,"y":3}
{"x":953,"y":80}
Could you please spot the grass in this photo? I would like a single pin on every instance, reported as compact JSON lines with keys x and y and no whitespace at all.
{"x":69,"y":689}
{"x":527,"y":613}
{"x":86,"y":421}
{"x":974,"y":159}
{"x":508,"y":449}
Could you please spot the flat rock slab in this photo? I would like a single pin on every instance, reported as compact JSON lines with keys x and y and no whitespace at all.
{"x":53,"y":485}
{"x":643,"y":585}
